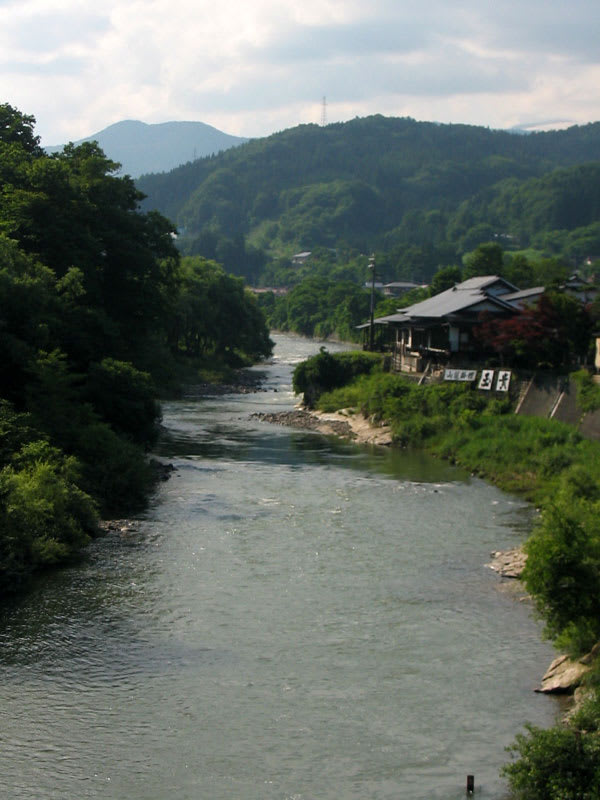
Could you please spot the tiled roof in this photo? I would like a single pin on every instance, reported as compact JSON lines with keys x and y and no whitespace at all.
{"x":450,"y":302}
{"x":461,"y":297}
{"x":523,"y":294}
{"x":483,"y":281}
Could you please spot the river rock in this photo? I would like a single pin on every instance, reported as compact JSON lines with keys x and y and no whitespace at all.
{"x":359,"y":428}
{"x":563,"y":676}
{"x":119,"y":525}
{"x":508,"y":563}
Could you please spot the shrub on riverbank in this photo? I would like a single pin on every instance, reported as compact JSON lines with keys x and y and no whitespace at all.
{"x":325,"y":371}
{"x":555,"y":764}
{"x":45,"y":518}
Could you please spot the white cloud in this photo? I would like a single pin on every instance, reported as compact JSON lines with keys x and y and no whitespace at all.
{"x":253,"y":67}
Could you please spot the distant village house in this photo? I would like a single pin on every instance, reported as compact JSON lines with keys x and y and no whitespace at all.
{"x":299,"y":259}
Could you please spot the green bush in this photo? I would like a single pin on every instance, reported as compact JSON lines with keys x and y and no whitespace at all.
{"x":326,"y":371}
{"x":555,"y":764}
{"x":44,"y":517}
{"x":114,"y":471}
{"x":125,"y":398}
{"x":563,"y":572}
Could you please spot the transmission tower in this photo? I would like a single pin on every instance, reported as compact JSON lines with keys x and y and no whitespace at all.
{"x":324,"y":112}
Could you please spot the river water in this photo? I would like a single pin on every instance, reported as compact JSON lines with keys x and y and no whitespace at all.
{"x":295,"y":617}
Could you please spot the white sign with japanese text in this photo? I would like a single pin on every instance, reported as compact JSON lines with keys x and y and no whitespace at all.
{"x":460,"y":374}
{"x":503,"y":381}
{"x":487,"y":379}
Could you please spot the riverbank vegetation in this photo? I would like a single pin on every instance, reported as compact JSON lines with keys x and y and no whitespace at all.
{"x":319,"y":307}
{"x":555,"y":468}
{"x":97,"y":312}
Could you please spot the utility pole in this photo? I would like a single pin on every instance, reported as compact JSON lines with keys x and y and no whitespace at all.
{"x":372,"y":323}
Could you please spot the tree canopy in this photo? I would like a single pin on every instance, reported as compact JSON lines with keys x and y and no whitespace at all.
{"x":95,"y":304}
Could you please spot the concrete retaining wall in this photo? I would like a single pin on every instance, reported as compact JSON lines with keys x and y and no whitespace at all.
{"x":556,"y":397}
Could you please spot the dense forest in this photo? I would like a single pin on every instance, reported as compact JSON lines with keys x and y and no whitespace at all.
{"x":420,"y":195}
{"x":97,"y":312}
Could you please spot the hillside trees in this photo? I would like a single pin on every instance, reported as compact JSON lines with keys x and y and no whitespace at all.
{"x":215,"y":314}
{"x":320,"y":307}
{"x":486,"y":259}
{"x":445,"y":278}
{"x":421,"y":193}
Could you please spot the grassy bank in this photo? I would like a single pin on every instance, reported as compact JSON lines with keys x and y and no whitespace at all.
{"x":529,"y":456}
{"x":553,"y":466}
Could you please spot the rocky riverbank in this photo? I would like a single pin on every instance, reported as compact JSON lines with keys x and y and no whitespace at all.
{"x":346,"y":423}
{"x":243,"y":382}
{"x":564,"y":676}
{"x":508,"y":563}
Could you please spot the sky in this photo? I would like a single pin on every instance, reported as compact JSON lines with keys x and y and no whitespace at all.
{"x":253,"y":67}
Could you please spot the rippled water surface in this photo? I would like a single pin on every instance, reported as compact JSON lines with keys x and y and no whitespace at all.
{"x":294,"y":618}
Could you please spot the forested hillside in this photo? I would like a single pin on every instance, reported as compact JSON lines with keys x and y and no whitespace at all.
{"x":96,"y":311}
{"x":388,"y":185}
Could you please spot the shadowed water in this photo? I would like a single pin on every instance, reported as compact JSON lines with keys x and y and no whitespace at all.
{"x":294,"y":617}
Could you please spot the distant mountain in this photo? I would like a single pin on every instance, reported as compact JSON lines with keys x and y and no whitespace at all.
{"x":143,"y":148}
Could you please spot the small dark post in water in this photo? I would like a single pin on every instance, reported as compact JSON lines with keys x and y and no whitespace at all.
{"x":470,"y":784}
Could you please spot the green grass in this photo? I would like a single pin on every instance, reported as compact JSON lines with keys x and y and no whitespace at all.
{"x":526,"y":455}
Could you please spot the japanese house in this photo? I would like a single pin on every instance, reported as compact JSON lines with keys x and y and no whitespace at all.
{"x":441,"y":327}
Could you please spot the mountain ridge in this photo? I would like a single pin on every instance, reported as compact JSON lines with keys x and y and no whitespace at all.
{"x":373,"y":182}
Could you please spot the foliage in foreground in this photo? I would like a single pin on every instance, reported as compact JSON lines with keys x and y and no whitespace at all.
{"x":45,"y":518}
{"x":562,"y":763}
{"x":555,"y":764}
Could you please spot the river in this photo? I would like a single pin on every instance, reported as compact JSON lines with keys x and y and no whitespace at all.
{"x":294,"y":617}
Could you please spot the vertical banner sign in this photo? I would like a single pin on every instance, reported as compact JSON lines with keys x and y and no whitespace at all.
{"x":487,"y":379}
{"x":503,"y":381}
